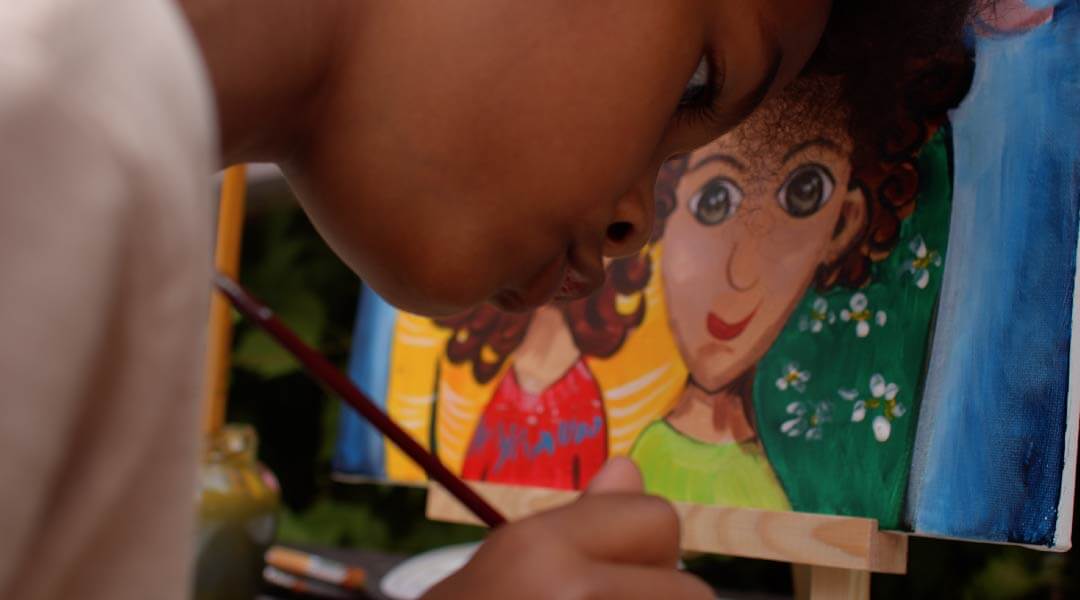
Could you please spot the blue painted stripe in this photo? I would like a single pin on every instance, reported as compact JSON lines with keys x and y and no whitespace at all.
{"x":359,"y":446}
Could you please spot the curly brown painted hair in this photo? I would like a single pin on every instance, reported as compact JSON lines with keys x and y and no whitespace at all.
{"x":902,"y":65}
{"x":485,"y":336}
{"x":883,"y":158}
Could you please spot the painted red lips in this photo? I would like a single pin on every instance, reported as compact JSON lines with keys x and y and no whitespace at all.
{"x":724,"y":331}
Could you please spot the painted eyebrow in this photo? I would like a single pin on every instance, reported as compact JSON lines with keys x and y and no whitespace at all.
{"x":819,"y":141}
{"x":724,"y":158}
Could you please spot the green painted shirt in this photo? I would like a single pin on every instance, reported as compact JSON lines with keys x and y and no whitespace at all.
{"x":680,"y":468}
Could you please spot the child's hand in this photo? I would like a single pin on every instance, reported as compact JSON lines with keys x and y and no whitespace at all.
{"x":614,"y":542}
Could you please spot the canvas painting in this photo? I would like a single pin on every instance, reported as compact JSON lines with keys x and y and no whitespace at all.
{"x":859,"y":321}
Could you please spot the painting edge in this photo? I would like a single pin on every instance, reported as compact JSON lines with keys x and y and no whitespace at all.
{"x":1063,"y":531}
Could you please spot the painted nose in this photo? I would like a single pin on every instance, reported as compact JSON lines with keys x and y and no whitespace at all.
{"x":631,"y":222}
{"x":742,"y":269}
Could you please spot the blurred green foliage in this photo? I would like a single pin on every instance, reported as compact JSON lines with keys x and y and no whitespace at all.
{"x":290,"y":268}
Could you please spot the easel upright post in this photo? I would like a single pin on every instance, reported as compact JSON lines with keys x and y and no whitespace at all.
{"x":828,"y":583}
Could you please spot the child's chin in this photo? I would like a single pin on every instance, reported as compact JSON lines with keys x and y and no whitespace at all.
{"x":425,"y":304}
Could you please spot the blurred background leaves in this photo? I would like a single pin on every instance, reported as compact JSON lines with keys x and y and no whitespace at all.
{"x":288,"y":266}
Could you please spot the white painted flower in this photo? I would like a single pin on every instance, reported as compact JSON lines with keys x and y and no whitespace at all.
{"x":861,"y":314}
{"x":919,"y":266}
{"x":882,"y":398}
{"x":806,"y":420}
{"x":818,"y":316}
{"x":792,"y":377}
{"x":882,"y":428}
{"x":882,"y":389}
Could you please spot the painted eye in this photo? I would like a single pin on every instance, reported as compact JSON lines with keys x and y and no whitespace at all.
{"x":806,"y":190}
{"x":715,"y":201}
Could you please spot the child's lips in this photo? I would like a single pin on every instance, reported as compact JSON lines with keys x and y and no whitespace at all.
{"x":575,"y":285}
{"x":537,"y":290}
{"x":559,"y":281}
{"x":509,"y":301}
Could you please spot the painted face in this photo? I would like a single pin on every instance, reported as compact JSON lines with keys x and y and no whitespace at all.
{"x":752,"y":225}
{"x":495,"y":151}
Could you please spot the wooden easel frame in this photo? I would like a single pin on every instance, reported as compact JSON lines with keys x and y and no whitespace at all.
{"x":840,"y":551}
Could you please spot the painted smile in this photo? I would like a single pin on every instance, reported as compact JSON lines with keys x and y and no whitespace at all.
{"x":724,"y":331}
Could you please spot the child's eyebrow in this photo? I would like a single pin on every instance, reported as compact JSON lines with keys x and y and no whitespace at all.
{"x":818,"y":141}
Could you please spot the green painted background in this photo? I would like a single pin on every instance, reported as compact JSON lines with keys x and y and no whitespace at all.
{"x":841,"y":468}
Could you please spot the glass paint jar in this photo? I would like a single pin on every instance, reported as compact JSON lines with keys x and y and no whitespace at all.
{"x":238,"y":501}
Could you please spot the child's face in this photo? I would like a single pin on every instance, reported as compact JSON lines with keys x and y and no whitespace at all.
{"x":496,"y":150}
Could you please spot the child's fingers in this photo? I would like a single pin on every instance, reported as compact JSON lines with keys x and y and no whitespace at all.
{"x":629,"y":528}
{"x":619,"y":474}
{"x":621,"y":582}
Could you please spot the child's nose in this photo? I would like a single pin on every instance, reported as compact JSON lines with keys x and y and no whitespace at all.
{"x":632,"y":221}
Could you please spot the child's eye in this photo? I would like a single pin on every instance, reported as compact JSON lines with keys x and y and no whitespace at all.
{"x":699,"y":85}
{"x":699,"y":96}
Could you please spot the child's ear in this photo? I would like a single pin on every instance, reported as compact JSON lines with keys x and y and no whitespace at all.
{"x":852,"y":222}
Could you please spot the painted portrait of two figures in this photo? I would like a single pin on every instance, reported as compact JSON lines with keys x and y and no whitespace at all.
{"x":829,"y":317}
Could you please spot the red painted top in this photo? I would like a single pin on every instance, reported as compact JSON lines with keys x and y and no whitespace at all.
{"x":557,"y":438}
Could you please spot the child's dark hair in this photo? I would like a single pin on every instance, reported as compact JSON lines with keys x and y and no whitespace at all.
{"x":892,"y":54}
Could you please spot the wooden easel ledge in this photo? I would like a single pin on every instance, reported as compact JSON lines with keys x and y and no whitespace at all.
{"x":852,"y":546}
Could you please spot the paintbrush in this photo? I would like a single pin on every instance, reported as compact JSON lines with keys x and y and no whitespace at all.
{"x":331,"y":377}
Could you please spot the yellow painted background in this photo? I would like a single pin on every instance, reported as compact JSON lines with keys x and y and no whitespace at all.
{"x":640,"y":384}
